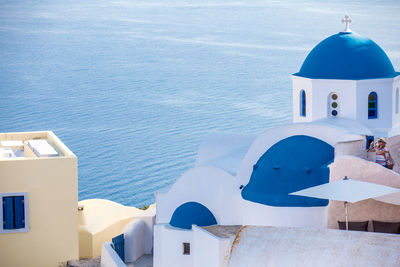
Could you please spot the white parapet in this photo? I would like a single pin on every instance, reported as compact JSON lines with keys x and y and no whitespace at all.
{"x":110,"y":258}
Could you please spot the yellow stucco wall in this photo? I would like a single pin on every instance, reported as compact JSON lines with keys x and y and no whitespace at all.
{"x":100,"y":221}
{"x":52,"y":187}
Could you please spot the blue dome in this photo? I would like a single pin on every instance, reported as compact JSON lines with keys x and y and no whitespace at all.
{"x":288,"y":166}
{"x":347,"y":56}
{"x":192,"y":213}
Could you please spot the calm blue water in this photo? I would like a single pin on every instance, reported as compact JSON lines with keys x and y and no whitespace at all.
{"x":132,"y":87}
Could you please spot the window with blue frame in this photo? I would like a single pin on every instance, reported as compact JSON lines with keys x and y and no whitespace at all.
{"x":372,"y":106}
{"x":14,"y":212}
{"x":303,"y":107}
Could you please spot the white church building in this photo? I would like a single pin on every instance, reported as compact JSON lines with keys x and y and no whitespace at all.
{"x":345,"y":94}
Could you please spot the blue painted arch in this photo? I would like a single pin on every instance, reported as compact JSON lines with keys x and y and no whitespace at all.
{"x":347,"y":56}
{"x":292,"y":164}
{"x":192,"y":213}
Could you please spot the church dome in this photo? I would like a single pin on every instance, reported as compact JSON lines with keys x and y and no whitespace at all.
{"x":347,"y":56}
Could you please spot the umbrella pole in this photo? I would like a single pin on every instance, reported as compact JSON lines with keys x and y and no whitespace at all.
{"x":347,"y":220}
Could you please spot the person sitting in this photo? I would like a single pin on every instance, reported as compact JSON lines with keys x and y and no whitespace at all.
{"x":381,"y":151}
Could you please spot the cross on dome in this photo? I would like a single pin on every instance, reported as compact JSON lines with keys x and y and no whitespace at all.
{"x":347,"y":20}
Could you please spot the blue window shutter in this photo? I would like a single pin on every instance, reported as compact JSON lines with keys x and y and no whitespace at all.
{"x":19,"y":212}
{"x":119,"y":246}
{"x":8,"y":212}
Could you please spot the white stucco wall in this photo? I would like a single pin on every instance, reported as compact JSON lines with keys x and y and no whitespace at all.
{"x":149,"y":219}
{"x":210,"y":250}
{"x":206,"y":249}
{"x":355,"y":148}
{"x":209,"y":186}
{"x":352,"y":100}
{"x":135,"y":240}
{"x":298,"y":84}
{"x":317,"y":97}
{"x":346,"y":91}
{"x":168,"y":246}
{"x":110,"y":258}
{"x":263,"y":215}
{"x":384,"y":90}
{"x":396,"y":115}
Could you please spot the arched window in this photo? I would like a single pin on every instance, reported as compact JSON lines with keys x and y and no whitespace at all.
{"x":333,"y":105}
{"x":397,"y":100}
{"x":372,"y":106}
{"x":303,"y":107}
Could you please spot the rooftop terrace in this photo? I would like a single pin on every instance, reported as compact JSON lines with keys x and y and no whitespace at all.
{"x":31,"y":145}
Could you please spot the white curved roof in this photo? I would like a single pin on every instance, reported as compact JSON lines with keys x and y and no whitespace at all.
{"x":347,"y":125}
{"x":281,"y":246}
{"x":224,"y":151}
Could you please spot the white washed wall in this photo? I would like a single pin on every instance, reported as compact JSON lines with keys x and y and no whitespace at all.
{"x":110,"y":258}
{"x":135,"y":240}
{"x":298,"y":84}
{"x":210,"y":251}
{"x":263,"y":215}
{"x":168,"y":246}
{"x":149,"y":218}
{"x":346,"y":91}
{"x":209,"y":186}
{"x":396,"y":116}
{"x":384,"y":90}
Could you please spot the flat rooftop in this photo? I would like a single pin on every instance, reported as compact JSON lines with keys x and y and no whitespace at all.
{"x":223,"y":231}
{"x":32,"y":145}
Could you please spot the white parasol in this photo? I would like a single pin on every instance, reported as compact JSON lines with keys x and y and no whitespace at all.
{"x":348,"y":191}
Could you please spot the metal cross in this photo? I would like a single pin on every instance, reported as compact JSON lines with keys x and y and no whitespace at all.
{"x":347,"y":20}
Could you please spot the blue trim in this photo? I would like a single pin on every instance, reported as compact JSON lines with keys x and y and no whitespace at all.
{"x":192,"y":213}
{"x":303,"y":104}
{"x":373,"y":111}
{"x":292,"y":164}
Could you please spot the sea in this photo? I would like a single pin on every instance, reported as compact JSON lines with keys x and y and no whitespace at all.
{"x":133,"y":87}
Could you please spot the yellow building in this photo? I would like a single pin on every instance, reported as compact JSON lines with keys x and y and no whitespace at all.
{"x":39,"y":193}
{"x":100,"y":220}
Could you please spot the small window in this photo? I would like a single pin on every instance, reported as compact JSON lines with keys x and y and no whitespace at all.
{"x":303,"y":104}
{"x":333,"y":105}
{"x":186,"y":248}
{"x":14,"y":213}
{"x":372,"y":106}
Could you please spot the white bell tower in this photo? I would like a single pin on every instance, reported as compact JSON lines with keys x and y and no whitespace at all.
{"x":348,"y":76}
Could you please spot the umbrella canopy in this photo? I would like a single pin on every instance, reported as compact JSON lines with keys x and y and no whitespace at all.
{"x":347,"y":190}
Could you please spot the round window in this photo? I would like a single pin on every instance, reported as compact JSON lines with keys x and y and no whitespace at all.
{"x":334,"y":96}
{"x":334,"y":113}
{"x":334,"y":105}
